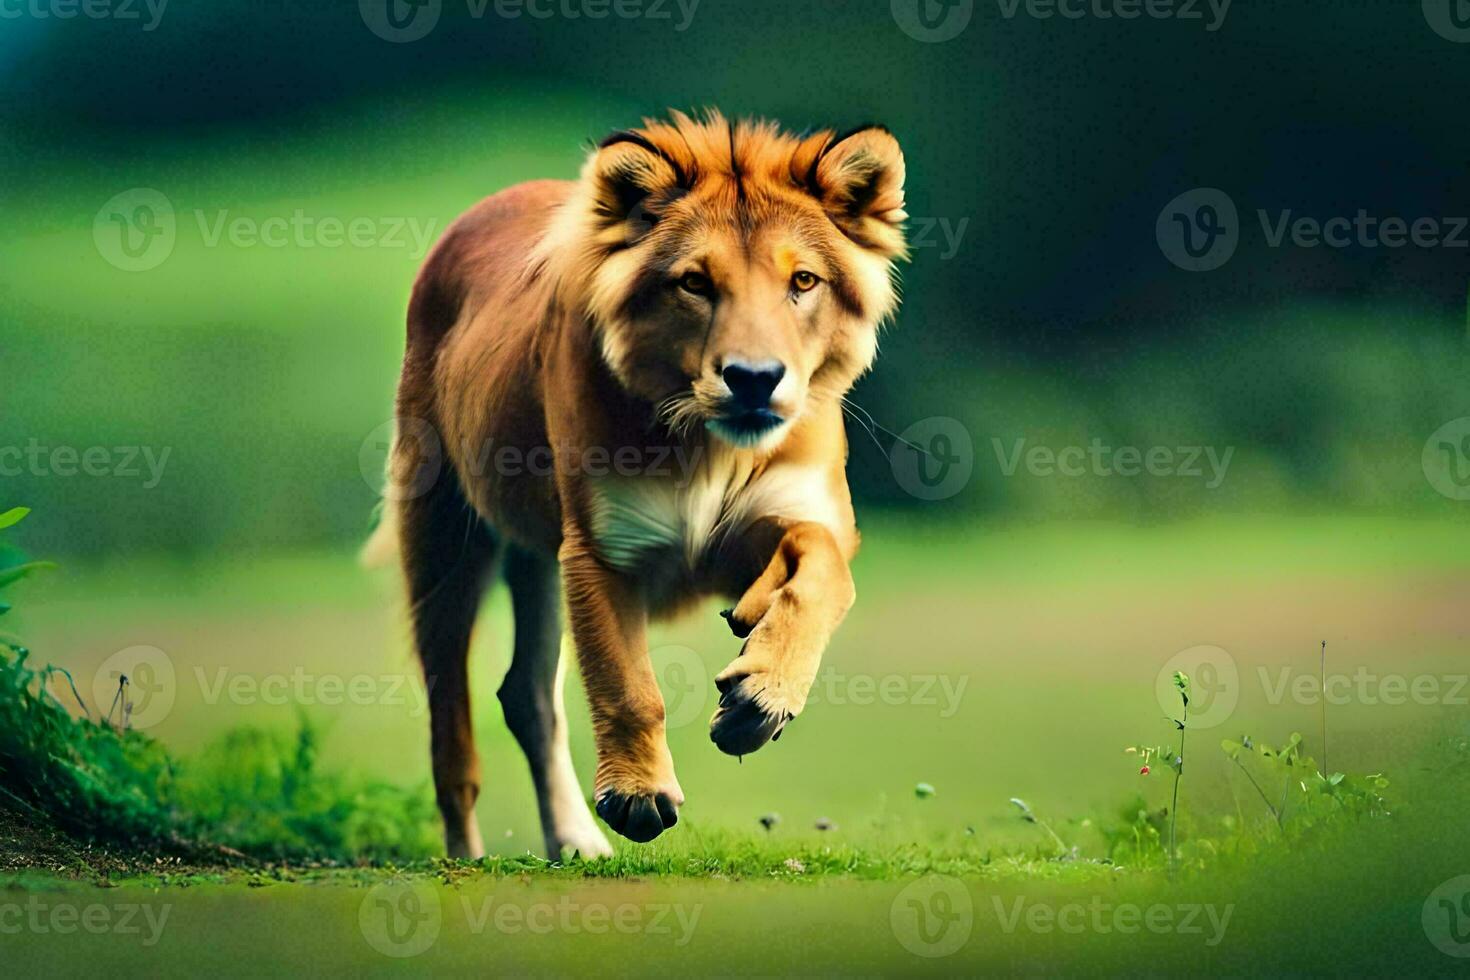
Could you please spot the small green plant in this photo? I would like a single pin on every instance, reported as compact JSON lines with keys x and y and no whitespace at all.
{"x":13,"y":566}
{"x":1321,"y":792}
{"x":80,"y":775}
{"x":265,"y":793}
{"x":1283,"y":758}
{"x":1318,"y":795}
{"x":1150,"y":756}
{"x":1181,"y":684}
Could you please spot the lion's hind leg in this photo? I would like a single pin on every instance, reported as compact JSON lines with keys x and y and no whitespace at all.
{"x":531,"y":697}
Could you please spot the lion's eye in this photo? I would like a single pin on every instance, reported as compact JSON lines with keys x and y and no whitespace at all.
{"x":695,"y":282}
{"x":804,"y":281}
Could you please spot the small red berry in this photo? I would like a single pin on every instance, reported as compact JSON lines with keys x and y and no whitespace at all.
{"x":1143,"y":771}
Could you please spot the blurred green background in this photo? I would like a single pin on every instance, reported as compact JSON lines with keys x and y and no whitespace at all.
{"x":1038,"y":305}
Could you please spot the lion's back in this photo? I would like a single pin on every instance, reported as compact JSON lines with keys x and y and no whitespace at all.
{"x":482,"y":257}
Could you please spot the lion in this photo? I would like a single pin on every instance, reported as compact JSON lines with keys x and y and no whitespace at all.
{"x":706,"y":292}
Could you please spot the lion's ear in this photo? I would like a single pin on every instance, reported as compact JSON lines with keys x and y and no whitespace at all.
{"x":633,"y":180}
{"x":859,"y":179}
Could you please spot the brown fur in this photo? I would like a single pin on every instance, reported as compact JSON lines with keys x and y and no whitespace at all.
{"x":560,"y":321}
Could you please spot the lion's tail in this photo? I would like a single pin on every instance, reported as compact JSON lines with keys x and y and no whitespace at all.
{"x":381,"y":547}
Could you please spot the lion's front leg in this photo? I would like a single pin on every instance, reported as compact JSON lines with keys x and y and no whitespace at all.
{"x":786,"y":616}
{"x":635,"y":788}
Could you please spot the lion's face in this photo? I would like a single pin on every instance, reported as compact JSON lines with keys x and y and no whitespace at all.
{"x":736,"y":274}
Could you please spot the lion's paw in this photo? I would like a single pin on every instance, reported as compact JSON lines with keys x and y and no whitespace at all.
{"x":751,"y":713}
{"x":639,"y":816}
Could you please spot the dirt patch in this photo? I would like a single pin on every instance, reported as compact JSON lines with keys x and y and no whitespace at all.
{"x":27,"y":844}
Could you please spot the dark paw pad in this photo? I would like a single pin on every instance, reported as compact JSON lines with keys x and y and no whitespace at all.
{"x":639,"y":818}
{"x":741,"y":725}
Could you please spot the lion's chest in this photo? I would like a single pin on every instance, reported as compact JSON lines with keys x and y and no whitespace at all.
{"x":662,"y":529}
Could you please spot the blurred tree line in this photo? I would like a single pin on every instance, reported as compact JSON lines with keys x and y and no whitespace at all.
{"x":1039,"y":303}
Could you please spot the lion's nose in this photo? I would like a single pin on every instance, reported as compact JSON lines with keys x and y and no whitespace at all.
{"x":751,"y":385}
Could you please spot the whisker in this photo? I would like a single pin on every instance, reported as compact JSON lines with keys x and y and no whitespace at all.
{"x":863,"y":425}
{"x":680,"y":412}
{"x":847,"y":402}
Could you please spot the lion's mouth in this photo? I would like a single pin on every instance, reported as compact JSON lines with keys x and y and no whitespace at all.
{"x":746,"y":428}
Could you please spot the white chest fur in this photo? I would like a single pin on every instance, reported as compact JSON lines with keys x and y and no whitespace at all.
{"x":642,"y":522}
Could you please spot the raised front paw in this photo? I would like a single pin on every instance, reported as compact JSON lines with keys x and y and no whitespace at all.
{"x":745,"y":719}
{"x":761,"y":691}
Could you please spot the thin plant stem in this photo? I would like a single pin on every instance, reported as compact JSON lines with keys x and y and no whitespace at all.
{"x":1274,"y":812}
{"x":1174,"y":804}
{"x":1322,"y":690}
{"x":1285,"y":796}
{"x":1030,"y":817}
{"x":1047,"y":827}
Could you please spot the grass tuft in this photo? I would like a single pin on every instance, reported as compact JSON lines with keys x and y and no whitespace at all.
{"x":251,"y":795}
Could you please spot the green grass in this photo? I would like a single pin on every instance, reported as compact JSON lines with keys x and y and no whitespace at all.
{"x":1349,"y":906}
{"x":1022,"y":652}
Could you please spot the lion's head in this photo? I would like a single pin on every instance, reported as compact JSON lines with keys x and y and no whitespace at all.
{"x":735,"y":274}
